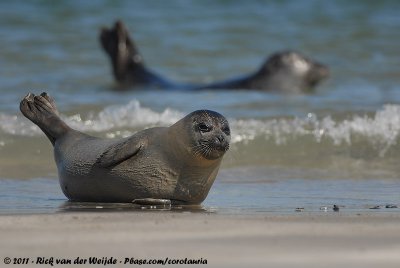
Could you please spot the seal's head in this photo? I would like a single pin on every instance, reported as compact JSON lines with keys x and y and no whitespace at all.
{"x":293,"y":70}
{"x":207,"y":134}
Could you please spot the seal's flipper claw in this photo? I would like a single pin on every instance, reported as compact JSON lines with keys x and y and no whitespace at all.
{"x":26,"y":106}
{"x":50,"y":101}
{"x":46,"y":103}
{"x":29,"y":97}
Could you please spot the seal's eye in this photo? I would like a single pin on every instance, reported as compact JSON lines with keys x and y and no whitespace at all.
{"x":203,"y":127}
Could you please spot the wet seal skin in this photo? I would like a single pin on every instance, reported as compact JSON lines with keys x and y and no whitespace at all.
{"x":177,"y":163}
{"x":285,"y":71}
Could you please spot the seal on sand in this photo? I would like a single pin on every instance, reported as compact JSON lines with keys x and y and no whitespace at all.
{"x":178,"y":163}
{"x":285,"y":71}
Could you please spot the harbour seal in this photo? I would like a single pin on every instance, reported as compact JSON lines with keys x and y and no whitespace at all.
{"x":285,"y":71}
{"x":178,"y":163}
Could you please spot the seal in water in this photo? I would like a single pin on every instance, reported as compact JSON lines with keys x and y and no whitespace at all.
{"x":285,"y":71}
{"x":178,"y":163}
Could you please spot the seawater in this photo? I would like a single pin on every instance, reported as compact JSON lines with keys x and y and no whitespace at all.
{"x":339,"y":145}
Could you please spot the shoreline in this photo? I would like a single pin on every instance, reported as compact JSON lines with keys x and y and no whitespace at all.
{"x":304,"y":240}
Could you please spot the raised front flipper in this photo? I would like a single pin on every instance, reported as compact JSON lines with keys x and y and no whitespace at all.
{"x":119,"y":152}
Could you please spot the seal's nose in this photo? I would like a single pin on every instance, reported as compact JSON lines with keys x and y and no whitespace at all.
{"x":221,"y":143}
{"x":322,"y":70}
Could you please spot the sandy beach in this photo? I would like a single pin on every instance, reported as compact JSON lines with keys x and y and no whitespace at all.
{"x":303,"y":240}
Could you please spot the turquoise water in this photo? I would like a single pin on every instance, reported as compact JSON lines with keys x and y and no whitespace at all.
{"x":340,"y":143}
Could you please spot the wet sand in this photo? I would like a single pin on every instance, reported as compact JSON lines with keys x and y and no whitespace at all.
{"x":301,"y":240}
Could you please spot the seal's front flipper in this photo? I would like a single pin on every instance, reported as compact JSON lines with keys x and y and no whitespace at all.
{"x":42,"y":111}
{"x":152,"y":202}
{"x":118,"y":153}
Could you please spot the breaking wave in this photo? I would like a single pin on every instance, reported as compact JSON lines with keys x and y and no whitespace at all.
{"x":110,"y":120}
{"x":380,"y":129}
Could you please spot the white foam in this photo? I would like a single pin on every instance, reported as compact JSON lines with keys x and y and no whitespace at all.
{"x":381,"y":129}
{"x":16,"y":125}
{"x":131,"y":115}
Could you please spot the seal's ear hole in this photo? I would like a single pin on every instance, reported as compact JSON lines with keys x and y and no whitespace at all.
{"x":203,"y":127}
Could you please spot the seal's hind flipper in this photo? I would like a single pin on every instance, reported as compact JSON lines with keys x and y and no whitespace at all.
{"x":124,"y":55}
{"x":119,"y":152}
{"x":41,"y":110}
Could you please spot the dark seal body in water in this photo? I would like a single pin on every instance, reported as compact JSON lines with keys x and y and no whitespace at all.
{"x":178,"y":163}
{"x":285,"y":71}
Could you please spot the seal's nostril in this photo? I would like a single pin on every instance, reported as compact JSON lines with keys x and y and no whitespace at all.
{"x":220,"y":139}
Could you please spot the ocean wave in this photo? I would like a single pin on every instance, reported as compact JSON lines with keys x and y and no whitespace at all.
{"x":131,"y":115}
{"x":381,"y":129}
{"x":110,"y":120}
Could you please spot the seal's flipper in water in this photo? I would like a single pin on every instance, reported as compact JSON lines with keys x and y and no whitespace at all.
{"x":127,"y":63}
{"x":42,"y":111}
{"x":125,"y":57}
{"x":119,"y":152}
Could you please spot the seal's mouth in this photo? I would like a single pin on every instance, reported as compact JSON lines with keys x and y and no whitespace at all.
{"x":212,"y":148}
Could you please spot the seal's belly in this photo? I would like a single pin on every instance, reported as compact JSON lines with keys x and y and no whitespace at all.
{"x":122,"y":183}
{"x":146,"y":175}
